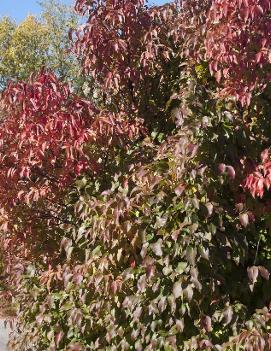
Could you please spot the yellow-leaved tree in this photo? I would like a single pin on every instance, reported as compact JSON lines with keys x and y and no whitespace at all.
{"x":39,"y":41}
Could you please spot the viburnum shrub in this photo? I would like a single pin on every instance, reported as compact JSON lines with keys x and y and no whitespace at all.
{"x":165,"y":263}
{"x":46,"y":127}
{"x":48,"y":138}
{"x":142,"y":221}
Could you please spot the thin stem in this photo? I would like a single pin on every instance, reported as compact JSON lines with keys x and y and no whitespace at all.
{"x":257,"y":250}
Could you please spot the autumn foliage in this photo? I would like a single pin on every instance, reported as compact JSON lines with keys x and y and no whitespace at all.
{"x":46,"y":127}
{"x":140,"y":219}
{"x":238,"y":46}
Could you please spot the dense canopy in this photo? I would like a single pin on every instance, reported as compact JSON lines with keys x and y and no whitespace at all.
{"x":136,"y":209}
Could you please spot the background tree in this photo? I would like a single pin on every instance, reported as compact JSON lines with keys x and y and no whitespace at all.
{"x":24,"y":48}
{"x":37,"y":42}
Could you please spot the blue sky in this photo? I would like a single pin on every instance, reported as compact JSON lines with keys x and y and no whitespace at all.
{"x":18,"y":9}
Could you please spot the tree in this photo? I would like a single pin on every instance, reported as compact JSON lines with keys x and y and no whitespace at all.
{"x":24,"y":48}
{"x":60,"y":20}
{"x":39,"y":42}
{"x":7,"y":27}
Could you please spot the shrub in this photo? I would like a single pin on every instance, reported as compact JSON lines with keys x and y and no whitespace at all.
{"x":141,"y":222}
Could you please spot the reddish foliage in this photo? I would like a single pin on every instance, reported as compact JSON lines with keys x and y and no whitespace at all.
{"x":260,"y":179}
{"x":191,"y":22}
{"x":45,"y":135}
{"x":121,"y":42}
{"x":238,"y":46}
{"x":112,"y":42}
